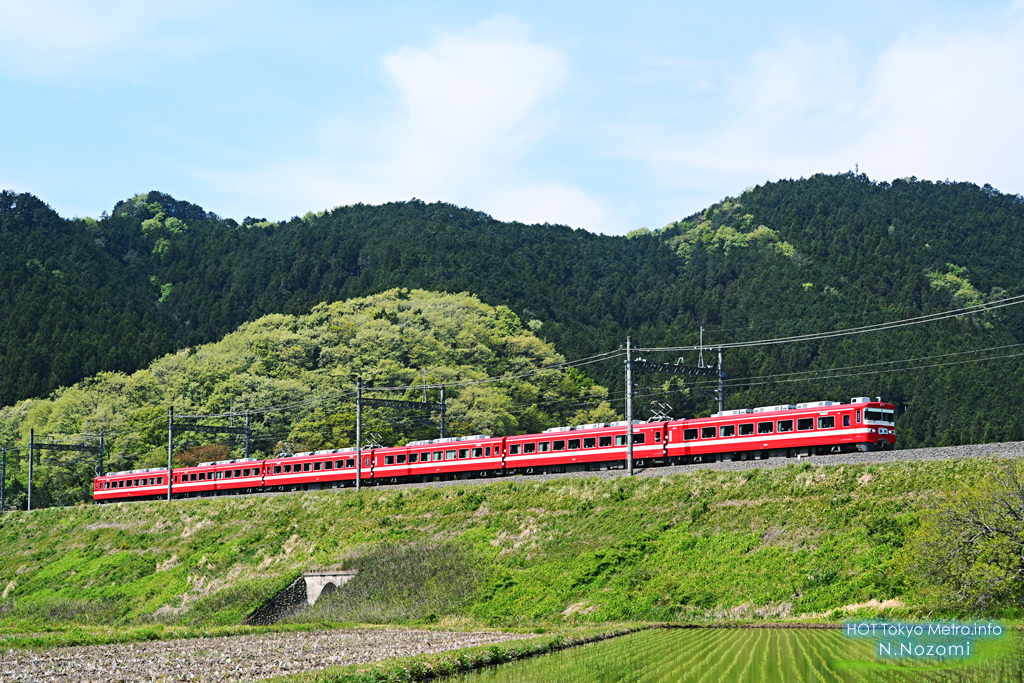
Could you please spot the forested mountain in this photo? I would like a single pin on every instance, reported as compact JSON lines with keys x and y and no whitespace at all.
{"x":784,"y":258}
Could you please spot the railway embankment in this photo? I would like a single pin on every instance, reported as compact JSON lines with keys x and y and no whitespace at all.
{"x":814,"y":540}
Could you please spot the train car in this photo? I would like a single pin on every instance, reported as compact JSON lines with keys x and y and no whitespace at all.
{"x":315,"y":470}
{"x":784,"y":431}
{"x":148,"y":484}
{"x":242,"y":475}
{"x":198,"y":481}
{"x":460,"y":457}
{"x":586,"y":448}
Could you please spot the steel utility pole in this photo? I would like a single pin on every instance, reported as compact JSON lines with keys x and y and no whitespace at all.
{"x":629,"y":405}
{"x":359,"y":433}
{"x":31,"y":456}
{"x":3,"y":480}
{"x":248,"y":433}
{"x":721,"y":383}
{"x":170,"y":451}
{"x":444,"y":410}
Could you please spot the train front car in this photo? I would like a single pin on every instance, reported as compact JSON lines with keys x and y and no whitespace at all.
{"x":805,"y":429}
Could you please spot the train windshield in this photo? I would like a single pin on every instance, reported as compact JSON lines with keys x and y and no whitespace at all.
{"x":880,"y":416}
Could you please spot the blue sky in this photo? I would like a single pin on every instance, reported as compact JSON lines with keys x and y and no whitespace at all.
{"x":605,"y":116}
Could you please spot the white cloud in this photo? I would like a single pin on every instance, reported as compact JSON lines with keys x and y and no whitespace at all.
{"x":949,"y":106}
{"x":470,"y":110}
{"x":931,"y":104}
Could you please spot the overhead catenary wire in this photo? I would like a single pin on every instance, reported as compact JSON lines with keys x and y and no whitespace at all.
{"x":863,"y":329}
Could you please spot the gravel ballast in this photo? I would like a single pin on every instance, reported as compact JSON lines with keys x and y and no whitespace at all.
{"x":232,"y":658}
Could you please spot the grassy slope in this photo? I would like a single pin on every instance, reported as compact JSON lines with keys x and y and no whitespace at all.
{"x":705,"y":545}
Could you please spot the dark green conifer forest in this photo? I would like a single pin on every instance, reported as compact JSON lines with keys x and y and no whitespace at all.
{"x":79,"y":296}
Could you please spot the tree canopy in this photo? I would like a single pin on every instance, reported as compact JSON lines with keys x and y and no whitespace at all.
{"x":294,"y":376}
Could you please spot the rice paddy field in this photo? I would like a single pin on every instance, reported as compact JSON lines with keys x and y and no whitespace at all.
{"x":748,"y":655}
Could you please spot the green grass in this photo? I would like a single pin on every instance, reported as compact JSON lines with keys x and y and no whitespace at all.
{"x":800,"y":542}
{"x":742,"y":656}
{"x":454,"y":662}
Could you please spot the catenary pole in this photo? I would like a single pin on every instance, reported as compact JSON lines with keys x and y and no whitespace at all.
{"x":3,"y":480}
{"x":629,"y":405}
{"x":359,"y":433}
{"x":101,"y":455}
{"x":248,"y":433}
{"x":31,"y":456}
{"x":443,"y":413}
{"x":170,"y":451}
{"x":721,"y":383}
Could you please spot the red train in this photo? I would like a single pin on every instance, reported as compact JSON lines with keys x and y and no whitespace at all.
{"x":773,"y":431}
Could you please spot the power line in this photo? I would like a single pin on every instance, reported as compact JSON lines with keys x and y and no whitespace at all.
{"x":879,"y":327}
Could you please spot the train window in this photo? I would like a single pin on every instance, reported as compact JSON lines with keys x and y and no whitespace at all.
{"x":136,"y":482}
{"x":159,"y":481}
{"x":152,"y":481}
{"x":202,"y":476}
{"x":558,"y":445}
{"x":589,"y":442}
{"x":728,"y":430}
{"x":544,"y":446}
{"x":765,"y":427}
{"x":255,"y":471}
{"x":785,"y":425}
{"x":639,"y":438}
{"x":438,"y":455}
{"x":245,"y":472}
{"x":120,"y":484}
{"x":846,"y":420}
{"x":746,"y":429}
{"x":400,"y":461}
{"x":487,"y":451}
{"x":317,"y":466}
{"x":238,"y":473}
{"x":873,"y":415}
{"x":513,"y":449}
{"x":889,"y":416}
{"x":657,"y":437}
{"x":827,"y":422}
{"x":604,"y":441}
{"x":450,"y":455}
{"x":106,"y":484}
{"x":463,"y":453}
{"x":288,"y":468}
{"x":805,"y":423}
{"x":366,"y":462}
{"x":529,"y":448}
{"x":305,"y":466}
{"x":858,"y":417}
{"x":574,"y":444}
{"x":277,"y":469}
{"x":689,"y":434}
{"x":389,"y":460}
{"x":708,"y":432}
{"x":224,"y":475}
{"x":338,"y":464}
{"x":351,"y":462}
{"x":193,"y":476}
{"x":620,"y":439}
